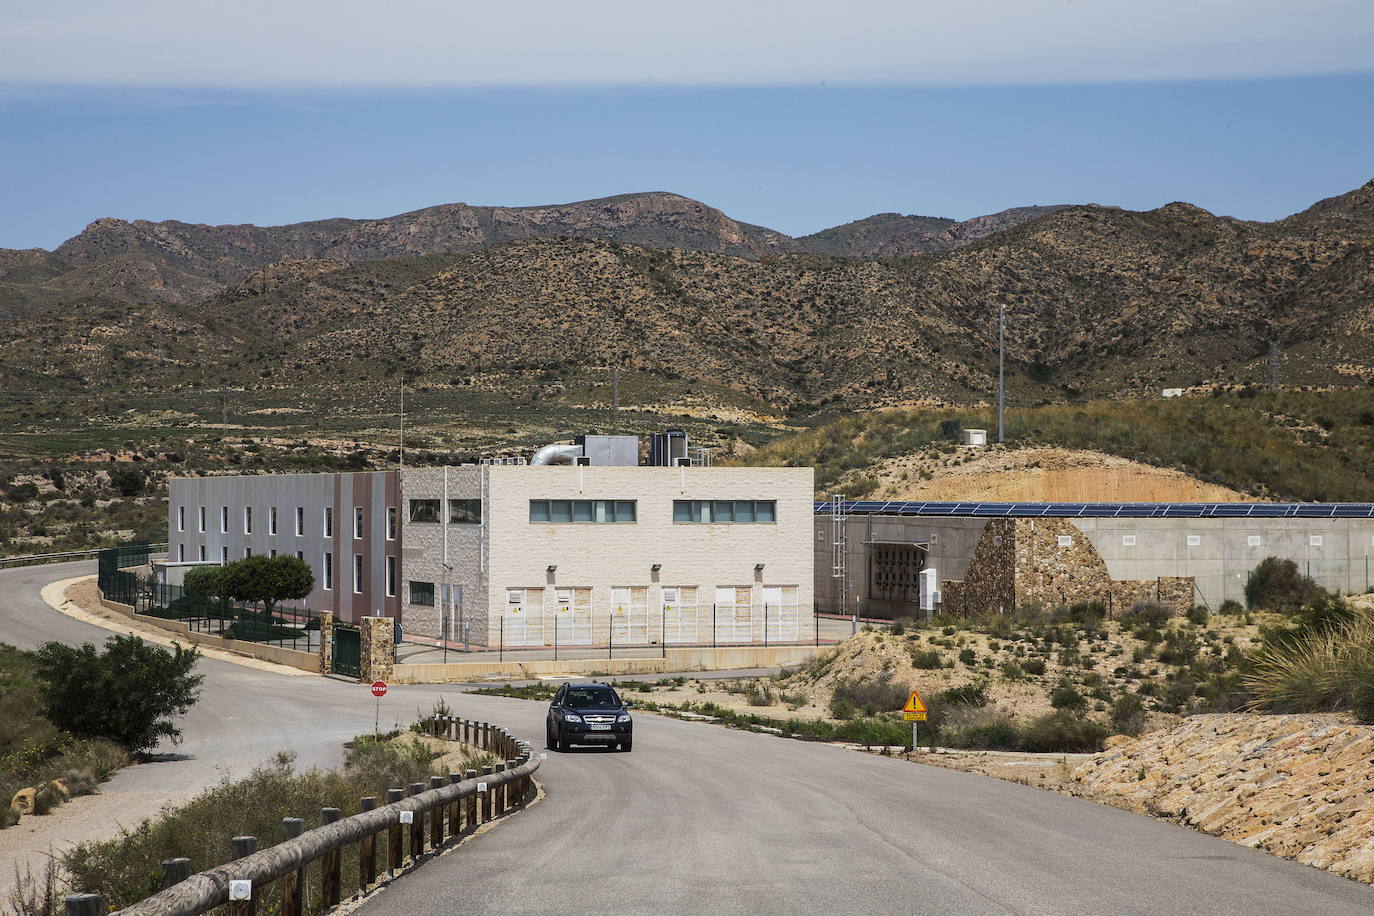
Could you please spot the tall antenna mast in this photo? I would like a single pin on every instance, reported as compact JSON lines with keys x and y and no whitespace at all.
{"x":1001,"y":374}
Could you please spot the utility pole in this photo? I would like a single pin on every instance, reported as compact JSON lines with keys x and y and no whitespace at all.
{"x":1001,"y":373}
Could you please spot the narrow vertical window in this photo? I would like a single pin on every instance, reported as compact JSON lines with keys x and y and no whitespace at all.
{"x":247,"y":552}
{"x":272,"y":521}
{"x":181,"y":518}
{"x":328,"y":571}
{"x":223,"y":519}
{"x":391,"y":523}
{"x":203,"y":555}
{"x":391,"y":577}
{"x":223,"y":554}
{"x":247,"y":519}
{"x":329,"y":521}
{"x":357,"y":574}
{"x":300,"y":521}
{"x":202,"y":519}
{"x":181,"y":553}
{"x":357,"y":523}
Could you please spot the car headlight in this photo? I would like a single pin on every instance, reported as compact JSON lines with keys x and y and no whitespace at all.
{"x":623,"y":717}
{"x":571,"y":717}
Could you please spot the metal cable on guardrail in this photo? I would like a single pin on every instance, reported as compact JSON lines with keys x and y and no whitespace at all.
{"x":454,"y":809}
{"x":38,"y":559}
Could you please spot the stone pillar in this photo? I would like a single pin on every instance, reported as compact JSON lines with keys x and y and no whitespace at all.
{"x":326,"y":642}
{"x":378,"y":649}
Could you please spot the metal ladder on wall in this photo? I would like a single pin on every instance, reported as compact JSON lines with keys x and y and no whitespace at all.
{"x":839,"y":552}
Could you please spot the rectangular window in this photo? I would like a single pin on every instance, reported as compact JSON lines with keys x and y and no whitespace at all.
{"x":1064,"y":540}
{"x":357,"y":574}
{"x":181,"y":518}
{"x":223,"y":519}
{"x":424,"y":510}
{"x":328,"y":571}
{"x":391,"y":523}
{"x":300,"y":555}
{"x":1253,"y":540}
{"x":202,"y":519}
{"x":725,"y":511}
{"x":465,"y":511}
{"x":1194,"y":540}
{"x":247,"y":552}
{"x":181,"y":553}
{"x":272,"y":521}
{"x":272,"y":552}
{"x":329,"y":521}
{"x":357,"y":523}
{"x":223,"y":554}
{"x":586,"y":511}
{"x":203,"y":555}
{"x":247,"y":519}
{"x":391,"y":577}
{"x":1128,"y":540}
{"x":1314,"y":540}
{"x":422,"y":593}
{"x":300,"y":521}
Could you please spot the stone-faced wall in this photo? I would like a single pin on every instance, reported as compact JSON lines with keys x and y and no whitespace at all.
{"x":1050,"y":561}
{"x":378,"y":638}
{"x":326,"y":642}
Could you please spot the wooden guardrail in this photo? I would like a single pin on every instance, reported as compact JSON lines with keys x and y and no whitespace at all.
{"x":37,"y":559}
{"x":413,"y":825}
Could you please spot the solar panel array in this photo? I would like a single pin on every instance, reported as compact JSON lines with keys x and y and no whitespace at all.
{"x":1105,"y":510}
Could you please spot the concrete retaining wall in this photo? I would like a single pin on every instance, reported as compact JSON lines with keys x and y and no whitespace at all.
{"x":705,"y":659}
{"x":293,"y":658}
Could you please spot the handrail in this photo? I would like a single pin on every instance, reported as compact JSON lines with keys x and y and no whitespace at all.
{"x":507,"y":786}
{"x":38,"y":559}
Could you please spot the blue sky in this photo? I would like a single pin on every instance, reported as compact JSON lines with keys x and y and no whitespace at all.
{"x":799,"y":116}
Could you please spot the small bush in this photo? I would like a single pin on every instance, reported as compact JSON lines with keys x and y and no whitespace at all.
{"x":1231,"y":607}
{"x":927,"y":659}
{"x":1179,"y":648}
{"x":1035,"y":666}
{"x":1128,"y":715}
{"x":1066,"y":696}
{"x":968,"y":657}
{"x":1146,"y":614}
{"x":840,"y":709}
{"x":1319,"y":670}
{"x":878,"y":695}
{"x":1198,"y":615}
{"x":760,"y":696}
{"x":1276,"y":584}
{"x":1012,"y":671}
{"x":1087,"y":615}
{"x":980,"y":729}
{"x":972,"y":694}
{"x":1063,"y":732}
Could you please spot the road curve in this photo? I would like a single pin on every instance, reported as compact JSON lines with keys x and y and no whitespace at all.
{"x":702,"y":820}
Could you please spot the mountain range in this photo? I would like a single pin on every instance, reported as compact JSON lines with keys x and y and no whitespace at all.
{"x":534,"y":303}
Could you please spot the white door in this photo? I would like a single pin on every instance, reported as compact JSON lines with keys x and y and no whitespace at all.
{"x":573,"y":614}
{"x":680,"y":619}
{"x":523,"y":622}
{"x":780,"y":612}
{"x":629,"y":617}
{"x":734,"y":614}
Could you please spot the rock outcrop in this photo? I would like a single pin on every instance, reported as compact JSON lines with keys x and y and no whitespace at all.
{"x":1298,"y":786}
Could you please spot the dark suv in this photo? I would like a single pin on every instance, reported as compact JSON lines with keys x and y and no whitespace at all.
{"x":588,"y":714}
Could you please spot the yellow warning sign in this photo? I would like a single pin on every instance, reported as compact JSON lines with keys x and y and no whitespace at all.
{"x":914,"y":710}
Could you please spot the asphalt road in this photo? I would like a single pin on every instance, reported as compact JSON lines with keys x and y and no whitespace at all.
{"x":702,"y":819}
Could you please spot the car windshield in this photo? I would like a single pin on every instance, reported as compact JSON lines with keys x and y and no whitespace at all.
{"x":592,"y":698}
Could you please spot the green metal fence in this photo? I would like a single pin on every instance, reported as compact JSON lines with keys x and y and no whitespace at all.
{"x":348,"y":652}
{"x":290,"y":627}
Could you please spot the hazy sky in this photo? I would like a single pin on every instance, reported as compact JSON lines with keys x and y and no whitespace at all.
{"x":797,"y":115}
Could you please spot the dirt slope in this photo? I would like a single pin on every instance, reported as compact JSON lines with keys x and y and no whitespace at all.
{"x":1054,"y":474}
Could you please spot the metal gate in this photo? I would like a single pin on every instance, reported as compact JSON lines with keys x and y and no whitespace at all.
{"x":573,"y":617}
{"x":348,"y":651}
{"x":629,"y":617}
{"x":680,"y":617}
{"x":734,"y":615}
{"x":523,"y":623}
{"x":781,"y":614}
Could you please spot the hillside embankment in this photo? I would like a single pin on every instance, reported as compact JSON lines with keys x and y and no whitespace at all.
{"x":1298,"y":786}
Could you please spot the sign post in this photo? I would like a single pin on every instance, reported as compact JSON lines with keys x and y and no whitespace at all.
{"x":914,"y":712}
{"x":378,"y":691}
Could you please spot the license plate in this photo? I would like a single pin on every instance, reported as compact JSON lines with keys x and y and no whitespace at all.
{"x":600,"y":728}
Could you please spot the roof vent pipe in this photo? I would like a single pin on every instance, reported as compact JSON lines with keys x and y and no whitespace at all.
{"x":557,"y":454}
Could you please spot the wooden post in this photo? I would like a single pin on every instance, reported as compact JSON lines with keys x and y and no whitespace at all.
{"x":393,"y":835}
{"x":499,"y":801}
{"x":367,"y":850}
{"x":471,"y":819}
{"x":331,"y":874}
{"x":83,"y":905}
{"x":436,"y":817}
{"x":512,"y":787}
{"x":292,"y":882}
{"x":417,"y":827}
{"x":244,"y":846}
{"x":175,"y":871}
{"x":455,"y":810}
{"x":488,"y":796}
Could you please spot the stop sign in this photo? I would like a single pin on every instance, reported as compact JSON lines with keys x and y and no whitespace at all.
{"x":379,"y":689}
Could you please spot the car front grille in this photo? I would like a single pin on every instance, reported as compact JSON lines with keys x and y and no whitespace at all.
{"x":599,"y":720}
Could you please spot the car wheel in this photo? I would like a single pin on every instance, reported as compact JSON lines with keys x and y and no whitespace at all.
{"x":626,"y":745}
{"x":550,"y":738}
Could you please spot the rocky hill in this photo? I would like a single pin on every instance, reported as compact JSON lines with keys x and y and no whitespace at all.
{"x":1100,"y":301}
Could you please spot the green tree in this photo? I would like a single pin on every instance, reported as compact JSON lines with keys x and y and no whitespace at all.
{"x":129,"y":693}
{"x":127,"y":481}
{"x":202,"y":582}
{"x":1276,"y":584}
{"x":266,"y":580}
